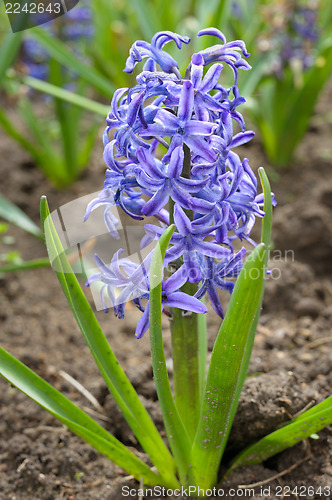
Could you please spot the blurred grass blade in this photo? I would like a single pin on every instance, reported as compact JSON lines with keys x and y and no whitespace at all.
{"x":23,"y":266}
{"x":68,"y":119}
{"x":88,"y":144}
{"x":149,"y":18}
{"x":66,"y":95}
{"x":296,"y":115}
{"x":51,"y":164}
{"x":73,"y":417}
{"x":115,"y":378}
{"x":8,"y":49}
{"x":63,"y":55}
{"x":12,"y":213}
{"x":11,"y":130}
{"x":297,"y":430}
{"x":176,"y":432}
{"x":225,"y":371}
{"x":223,"y":13}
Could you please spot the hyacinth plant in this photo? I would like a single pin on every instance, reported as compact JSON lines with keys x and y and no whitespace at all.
{"x":171,"y":157}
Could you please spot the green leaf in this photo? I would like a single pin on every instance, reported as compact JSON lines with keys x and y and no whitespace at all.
{"x":176,"y":432}
{"x":297,"y":430}
{"x":115,"y":378}
{"x":66,"y":95}
{"x":281,"y":105}
{"x":23,"y":266}
{"x":11,"y":130}
{"x":88,"y":144}
{"x":223,"y":13}
{"x":63,"y":55}
{"x":266,"y":239}
{"x":15,"y":215}
{"x":225,"y":374}
{"x":68,"y":119}
{"x":75,"y":419}
{"x":8,"y":49}
{"x":149,"y":20}
{"x":296,"y":114}
{"x":50,"y":162}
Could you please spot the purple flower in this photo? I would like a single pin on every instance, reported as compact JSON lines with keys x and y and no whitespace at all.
{"x":217,"y":276}
{"x":171,"y":157}
{"x":165,"y":181}
{"x":172,"y":297}
{"x":105,"y":198}
{"x":153,"y":51}
{"x":121,"y":275}
{"x":123,"y":117}
{"x":289,"y":37}
{"x":182,"y":128}
{"x":226,"y":52}
{"x":189,"y":243}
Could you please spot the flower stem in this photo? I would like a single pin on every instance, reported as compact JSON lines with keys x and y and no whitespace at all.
{"x":184,"y":329}
{"x":185,"y":347}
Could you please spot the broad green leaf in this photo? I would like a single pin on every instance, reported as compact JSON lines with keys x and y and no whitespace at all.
{"x":176,"y":432}
{"x":225,"y":371}
{"x":266,"y":239}
{"x":297,"y":430}
{"x":63,"y":55}
{"x":12,"y":213}
{"x":73,"y":417}
{"x":115,"y":378}
{"x":324,"y":405}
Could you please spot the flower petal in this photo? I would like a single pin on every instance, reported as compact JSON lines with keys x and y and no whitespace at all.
{"x":186,"y":104}
{"x":181,"y":220}
{"x":157,"y":202}
{"x":143,"y":324}
{"x":186,"y":302}
{"x":241,"y":138}
{"x":175,"y":281}
{"x":176,"y":163}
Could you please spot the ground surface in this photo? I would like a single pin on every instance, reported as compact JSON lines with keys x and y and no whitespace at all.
{"x":41,"y":460}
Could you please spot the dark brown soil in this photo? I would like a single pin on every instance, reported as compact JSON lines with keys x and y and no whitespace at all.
{"x":291,"y":362}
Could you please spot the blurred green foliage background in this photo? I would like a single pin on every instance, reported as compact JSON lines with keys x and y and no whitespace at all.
{"x":55,"y":107}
